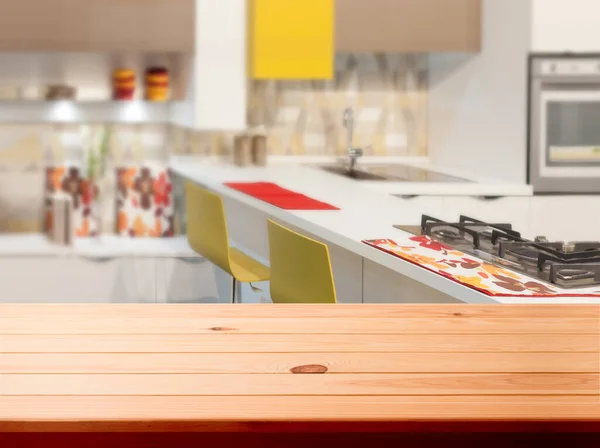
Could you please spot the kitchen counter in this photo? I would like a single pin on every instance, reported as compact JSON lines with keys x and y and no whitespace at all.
{"x":364,"y":214}
{"x":107,"y":246}
{"x":297,"y":368}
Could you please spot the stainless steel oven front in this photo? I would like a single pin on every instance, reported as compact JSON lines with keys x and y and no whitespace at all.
{"x":564,"y":124}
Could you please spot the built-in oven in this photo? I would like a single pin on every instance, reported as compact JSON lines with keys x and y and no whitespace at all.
{"x":564,"y":123}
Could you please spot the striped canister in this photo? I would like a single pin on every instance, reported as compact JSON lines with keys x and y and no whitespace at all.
{"x":157,"y":84}
{"x":123,"y":84}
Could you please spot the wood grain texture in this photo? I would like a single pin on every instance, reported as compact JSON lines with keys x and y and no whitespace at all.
{"x":293,"y":343}
{"x":181,"y":412}
{"x":97,"y":25}
{"x":294,"y":325}
{"x":275,"y":384}
{"x":408,"y":25}
{"x":341,"y":310}
{"x":267,"y":368}
{"x":356,"y":362}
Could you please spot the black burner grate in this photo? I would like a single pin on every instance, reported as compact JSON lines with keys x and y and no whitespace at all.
{"x":566,"y":264}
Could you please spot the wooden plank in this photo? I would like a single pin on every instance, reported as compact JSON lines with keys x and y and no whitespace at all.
{"x":213,"y":413}
{"x":277,"y":384}
{"x":321,"y":325}
{"x":302,"y":310}
{"x":292,"y":343}
{"x":288,"y":362}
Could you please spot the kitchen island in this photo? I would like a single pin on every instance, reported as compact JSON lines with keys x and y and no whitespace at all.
{"x":362,"y":273}
{"x":71,"y":371}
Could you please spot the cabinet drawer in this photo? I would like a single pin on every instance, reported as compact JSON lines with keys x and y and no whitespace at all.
{"x":31,"y":279}
{"x":52,"y":280}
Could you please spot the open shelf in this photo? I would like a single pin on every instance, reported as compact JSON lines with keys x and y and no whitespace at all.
{"x":143,"y":112}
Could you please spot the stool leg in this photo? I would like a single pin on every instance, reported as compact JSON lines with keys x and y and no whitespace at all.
{"x":233,"y":290}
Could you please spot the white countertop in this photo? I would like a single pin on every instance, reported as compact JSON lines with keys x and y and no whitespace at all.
{"x":364,"y":214}
{"x":107,"y":246}
{"x":475,"y":185}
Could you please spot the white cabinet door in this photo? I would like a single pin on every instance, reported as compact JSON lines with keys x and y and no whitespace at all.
{"x":135,"y":281}
{"x":565,"y":25}
{"x":55,"y":280}
{"x":52,"y":280}
{"x":566,"y":218}
{"x":76,"y":280}
{"x":509,"y":210}
{"x":415,"y":206}
{"x":382,"y":285}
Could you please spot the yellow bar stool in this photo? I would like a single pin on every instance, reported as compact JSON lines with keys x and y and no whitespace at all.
{"x":300,"y":268}
{"x":207,"y":235}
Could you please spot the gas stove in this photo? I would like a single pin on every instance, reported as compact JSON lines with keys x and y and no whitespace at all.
{"x":565,"y":264}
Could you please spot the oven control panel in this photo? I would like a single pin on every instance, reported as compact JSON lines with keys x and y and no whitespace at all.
{"x":568,"y":67}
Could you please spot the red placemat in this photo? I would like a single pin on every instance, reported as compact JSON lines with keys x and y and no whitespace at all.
{"x":259,"y":188}
{"x":279,"y":196}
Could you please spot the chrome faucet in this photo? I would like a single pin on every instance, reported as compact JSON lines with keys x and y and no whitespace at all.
{"x":353,"y":153}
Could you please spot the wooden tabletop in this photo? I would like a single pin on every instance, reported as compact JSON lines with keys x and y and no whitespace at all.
{"x":254,"y":367}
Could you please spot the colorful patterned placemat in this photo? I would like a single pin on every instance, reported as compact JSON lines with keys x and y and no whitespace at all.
{"x":471,"y":271}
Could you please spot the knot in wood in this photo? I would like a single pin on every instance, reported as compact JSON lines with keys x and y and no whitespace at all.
{"x":309,"y":368}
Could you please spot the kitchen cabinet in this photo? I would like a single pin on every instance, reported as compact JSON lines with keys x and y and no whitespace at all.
{"x":566,"y":218}
{"x":190,"y":280}
{"x":48,"y":279}
{"x":382,"y":285}
{"x":196,"y":280}
{"x":565,"y":25}
{"x":291,"y":39}
{"x":97,"y":25}
{"x":415,"y":206}
{"x":408,"y":25}
{"x":507,"y":209}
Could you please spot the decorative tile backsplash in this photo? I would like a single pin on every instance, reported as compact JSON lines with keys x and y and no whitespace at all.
{"x":388,"y":93}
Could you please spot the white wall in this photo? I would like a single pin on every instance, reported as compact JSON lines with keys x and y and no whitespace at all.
{"x":220,"y":65}
{"x":477,"y":103}
{"x":566,"y":25}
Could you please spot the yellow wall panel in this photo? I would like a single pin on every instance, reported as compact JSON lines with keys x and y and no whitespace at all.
{"x":291,"y":39}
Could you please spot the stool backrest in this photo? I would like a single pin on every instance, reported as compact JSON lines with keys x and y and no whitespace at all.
{"x":206,"y":225}
{"x":300,"y":268}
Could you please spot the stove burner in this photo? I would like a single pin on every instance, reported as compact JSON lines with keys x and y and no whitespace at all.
{"x":524,"y":253}
{"x":571,"y":264}
{"x":447,"y":234}
{"x":575,"y":275}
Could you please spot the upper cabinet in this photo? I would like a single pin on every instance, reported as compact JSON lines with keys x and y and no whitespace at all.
{"x":408,"y":25}
{"x":291,"y":39}
{"x":565,"y":25}
{"x":97,"y":25}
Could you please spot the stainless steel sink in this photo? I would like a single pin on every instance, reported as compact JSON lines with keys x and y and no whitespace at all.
{"x":354,"y":174}
{"x":390,"y":173}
